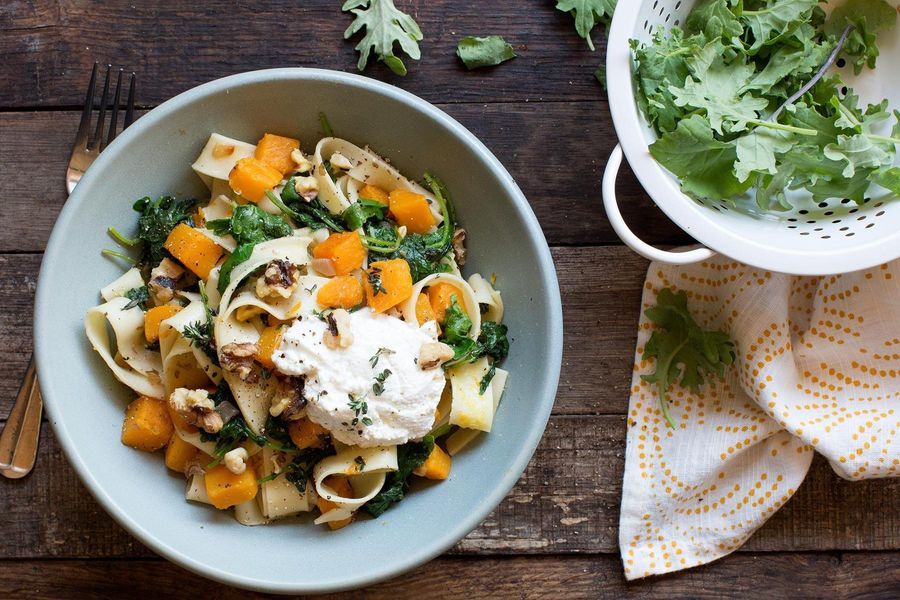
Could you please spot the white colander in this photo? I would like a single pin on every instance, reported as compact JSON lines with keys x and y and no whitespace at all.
{"x":812,"y":239}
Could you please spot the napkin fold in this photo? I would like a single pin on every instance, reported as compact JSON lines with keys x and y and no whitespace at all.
{"x":817,"y":370}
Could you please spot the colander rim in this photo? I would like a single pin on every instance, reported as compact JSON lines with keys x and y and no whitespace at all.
{"x":696,"y":220}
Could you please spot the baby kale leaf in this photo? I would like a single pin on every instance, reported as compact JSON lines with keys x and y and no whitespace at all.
{"x":385,"y":26}
{"x":685,"y":354}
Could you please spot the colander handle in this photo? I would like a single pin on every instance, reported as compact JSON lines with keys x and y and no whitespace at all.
{"x":611,"y":205}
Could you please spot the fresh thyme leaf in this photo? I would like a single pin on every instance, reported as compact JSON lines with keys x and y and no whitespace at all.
{"x":685,"y":354}
{"x":374,"y":277}
{"x":199,"y":333}
{"x":378,"y":386}
{"x":477,"y":52}
{"x":381,"y":351}
{"x":385,"y":26}
{"x":360,"y":463}
{"x":138,"y":296}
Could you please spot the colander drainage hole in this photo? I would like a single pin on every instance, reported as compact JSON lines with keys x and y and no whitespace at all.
{"x":804,"y":212}
{"x":841,"y":63}
{"x":826,"y":237}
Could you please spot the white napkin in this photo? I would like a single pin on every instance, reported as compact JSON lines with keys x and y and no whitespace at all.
{"x":817,"y":369}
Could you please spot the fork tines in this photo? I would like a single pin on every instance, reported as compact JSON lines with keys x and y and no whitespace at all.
{"x":96,"y":141}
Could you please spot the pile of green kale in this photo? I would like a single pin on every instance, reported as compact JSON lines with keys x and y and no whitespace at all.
{"x":721,"y":92}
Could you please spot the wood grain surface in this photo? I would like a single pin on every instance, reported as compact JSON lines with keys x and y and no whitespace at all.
{"x":547,"y":120}
{"x":748,"y":576}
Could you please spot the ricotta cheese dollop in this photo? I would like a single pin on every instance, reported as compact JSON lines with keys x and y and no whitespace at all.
{"x":371,"y":393}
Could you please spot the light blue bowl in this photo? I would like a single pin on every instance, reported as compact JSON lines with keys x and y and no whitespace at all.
{"x":85,"y":404}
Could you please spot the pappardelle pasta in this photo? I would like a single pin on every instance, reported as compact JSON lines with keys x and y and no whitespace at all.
{"x":303,"y":340}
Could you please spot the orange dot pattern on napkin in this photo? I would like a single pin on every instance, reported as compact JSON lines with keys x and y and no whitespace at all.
{"x":817,"y":369}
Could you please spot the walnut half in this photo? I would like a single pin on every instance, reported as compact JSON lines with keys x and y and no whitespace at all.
{"x":289,"y":401}
{"x":434,"y":354}
{"x":196,"y":408}
{"x":241,"y":360}
{"x":279,"y":280}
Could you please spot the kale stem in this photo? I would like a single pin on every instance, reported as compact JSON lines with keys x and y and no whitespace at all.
{"x":115,"y":254}
{"x":282,"y":206}
{"x":326,"y":126}
{"x":883,"y":138}
{"x":119,"y":237}
{"x":821,"y":72}
{"x":380,"y":246}
{"x":781,"y":127}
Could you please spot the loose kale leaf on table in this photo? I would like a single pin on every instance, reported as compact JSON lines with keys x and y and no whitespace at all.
{"x":385,"y":25}
{"x":477,"y":52}
{"x":587,"y":14}
{"x":685,"y":354}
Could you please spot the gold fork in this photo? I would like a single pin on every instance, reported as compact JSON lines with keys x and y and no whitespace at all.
{"x":19,"y":439}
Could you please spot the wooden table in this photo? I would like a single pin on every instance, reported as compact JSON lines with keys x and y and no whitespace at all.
{"x":547,"y":120}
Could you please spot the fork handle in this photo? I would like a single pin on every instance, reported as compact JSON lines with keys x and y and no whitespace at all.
{"x":19,"y":439}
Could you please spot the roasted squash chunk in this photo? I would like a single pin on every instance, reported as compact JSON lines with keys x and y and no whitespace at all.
{"x":343,"y":291}
{"x":147,"y":425}
{"x":155,"y":316}
{"x":225,"y":489}
{"x":441,"y":296}
{"x":388,"y":283}
{"x":250,"y":178}
{"x":345,"y":250}
{"x":275,"y":151}
{"x":411,"y":211}
{"x":193,"y":249}
{"x":179,"y":453}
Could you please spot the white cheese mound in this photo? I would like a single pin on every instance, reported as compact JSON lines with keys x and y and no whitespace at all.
{"x":403,"y":411}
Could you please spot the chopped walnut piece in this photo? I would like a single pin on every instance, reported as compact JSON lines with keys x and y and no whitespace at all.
{"x":289,"y":401}
{"x":339,"y":161}
{"x":236,"y":460}
{"x":307,"y":187}
{"x":279,"y":280}
{"x":433,"y":355}
{"x":223,"y":150}
{"x":196,"y":408}
{"x":163,"y":279}
{"x":241,"y":360}
{"x":303,"y":164}
{"x":195,"y":466}
{"x":338,"y":334}
{"x":459,"y":246}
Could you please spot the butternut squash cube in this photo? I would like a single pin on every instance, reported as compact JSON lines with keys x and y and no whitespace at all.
{"x":340,"y":485}
{"x":268,"y":343}
{"x":250,"y":178}
{"x":424,"y":310}
{"x":147,"y":425}
{"x":343,"y":291}
{"x":307,"y":434}
{"x":411,"y":210}
{"x":388,"y":283}
{"x":225,"y":489}
{"x":436,"y":466}
{"x":179,"y":453}
{"x":275,"y":151}
{"x":345,"y":250}
{"x":155,"y":316}
{"x":193,"y":249}
{"x":373,"y":192}
{"x":441,"y":297}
